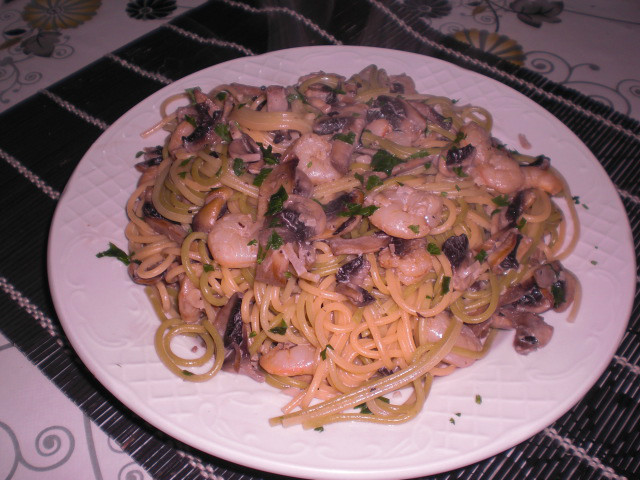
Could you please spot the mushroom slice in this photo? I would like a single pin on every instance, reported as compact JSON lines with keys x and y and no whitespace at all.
{"x":351,"y":276}
{"x":207,"y":216}
{"x":359,"y":245}
{"x":237,"y":358}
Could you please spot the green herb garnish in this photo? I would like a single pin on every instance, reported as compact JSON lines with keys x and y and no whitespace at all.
{"x":557,"y":290}
{"x":481,"y":256}
{"x":279,"y":329}
{"x":274,"y":242}
{"x":277,"y":201}
{"x":373,"y":181}
{"x":257,"y":181}
{"x":521,"y":223}
{"x":415,"y":229}
{"x":323,"y":353}
{"x":187,"y":373}
{"x":239,"y":167}
{"x":222,"y":96}
{"x":478,"y":399}
{"x":267,"y":155}
{"x":222,"y":130}
{"x":345,"y":137}
{"x":252,"y":242}
{"x":207,"y":267}
{"x":383,"y":161}
{"x":501,"y":200}
{"x":445,"y":284}
{"x":354,"y":209}
{"x":433,"y":249}
{"x":458,"y":171}
{"x":189,"y":119}
{"x":115,"y":252}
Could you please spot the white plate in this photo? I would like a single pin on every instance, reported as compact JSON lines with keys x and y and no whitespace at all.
{"x":111,"y":325}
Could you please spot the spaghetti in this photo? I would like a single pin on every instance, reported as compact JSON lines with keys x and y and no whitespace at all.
{"x":343,"y":239}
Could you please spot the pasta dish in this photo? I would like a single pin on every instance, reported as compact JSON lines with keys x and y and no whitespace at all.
{"x":344,"y":239}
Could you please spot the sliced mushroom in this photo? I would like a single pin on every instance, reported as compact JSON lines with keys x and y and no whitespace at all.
{"x":234,"y":333}
{"x":207,"y":216}
{"x":359,"y":245}
{"x":351,"y":276}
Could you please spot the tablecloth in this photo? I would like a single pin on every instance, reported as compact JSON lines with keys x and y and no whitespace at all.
{"x":45,"y":135}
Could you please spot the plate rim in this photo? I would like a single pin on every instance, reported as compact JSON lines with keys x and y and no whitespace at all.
{"x":277,"y":467}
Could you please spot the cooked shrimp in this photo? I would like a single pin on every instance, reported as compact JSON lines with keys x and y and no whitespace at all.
{"x":499,"y":172}
{"x":435,"y":329}
{"x":231,"y":241}
{"x":535,"y":177}
{"x":409,"y":257}
{"x":405,"y":212}
{"x":314,"y":155}
{"x":491,"y":166}
{"x":290,"y":360}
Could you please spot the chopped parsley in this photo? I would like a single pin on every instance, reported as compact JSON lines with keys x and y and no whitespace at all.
{"x":139,"y":154}
{"x":292,"y":97}
{"x":458,"y":171}
{"x":452,"y":421}
{"x":427,"y":165}
{"x":373,"y":181}
{"x":576,"y":200}
{"x":207,"y":267}
{"x":481,"y":256}
{"x":319,"y":429}
{"x":354,"y":209}
{"x":501,"y":200}
{"x":115,"y":252}
{"x":419,"y":154}
{"x":309,"y":164}
{"x":221,"y":96}
{"x":459,"y":137}
{"x":521,"y":223}
{"x":383,"y":161}
{"x":253,"y":334}
{"x":277,"y":201}
{"x":274,"y":242}
{"x":345,"y":137}
{"x":262,"y":253}
{"x":445,"y":284}
{"x":433,"y":249}
{"x":182,"y":174}
{"x":268,"y":156}
{"x":187,"y":373}
{"x":239,"y":167}
{"x":478,"y":399}
{"x":594,"y":262}
{"x":363,"y":409}
{"x":257,"y":181}
{"x":415,"y":229}
{"x":189,"y":119}
{"x":185,"y":162}
{"x":222,"y":130}
{"x":279,"y":329}
{"x":557,"y":290}
{"x":252,"y":242}
{"x":323,"y":353}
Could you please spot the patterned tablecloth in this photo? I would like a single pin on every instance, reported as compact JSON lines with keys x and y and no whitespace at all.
{"x":70,"y":68}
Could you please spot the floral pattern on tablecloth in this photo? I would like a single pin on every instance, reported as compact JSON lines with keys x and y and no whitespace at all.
{"x":553,"y":38}
{"x":45,"y":40}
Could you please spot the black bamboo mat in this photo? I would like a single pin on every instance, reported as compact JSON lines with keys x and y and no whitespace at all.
{"x":44,"y":137}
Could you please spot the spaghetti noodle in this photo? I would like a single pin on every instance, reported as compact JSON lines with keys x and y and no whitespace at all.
{"x":343,"y":239}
